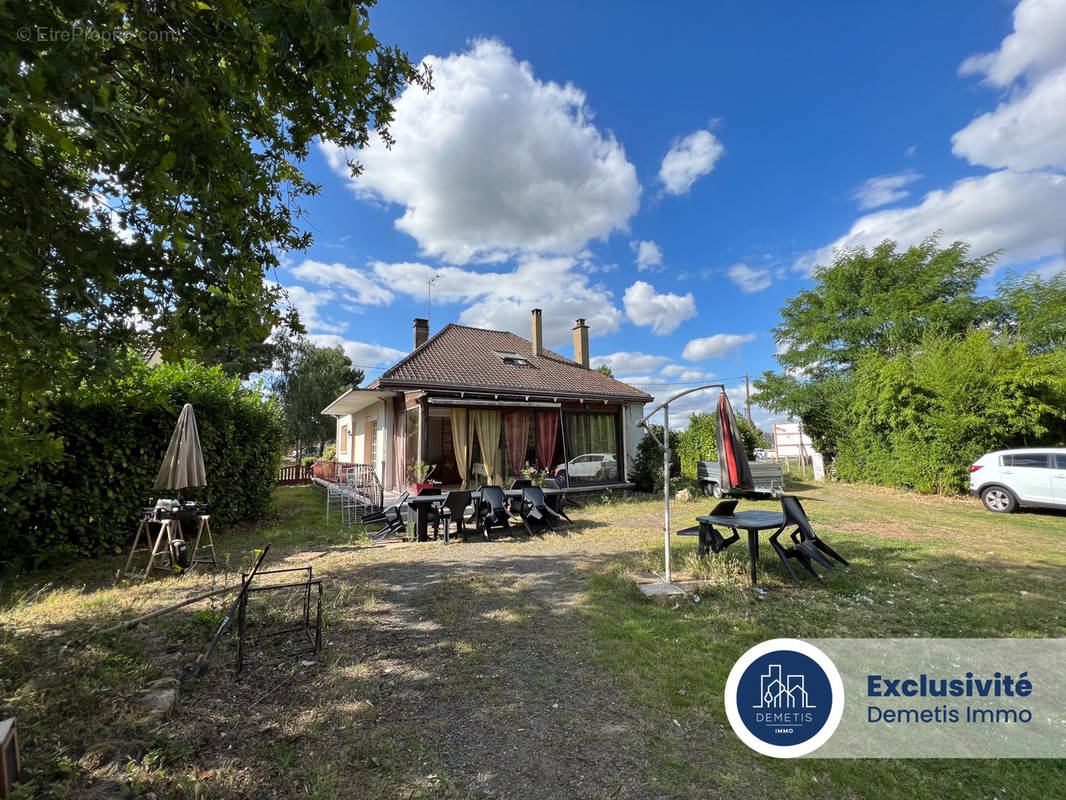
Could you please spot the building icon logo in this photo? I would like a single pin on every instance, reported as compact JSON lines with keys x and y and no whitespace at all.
{"x":784,"y":698}
{"x":787,"y":693}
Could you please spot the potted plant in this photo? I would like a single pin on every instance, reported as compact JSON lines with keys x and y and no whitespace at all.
{"x":535,"y":476}
{"x":419,"y":473}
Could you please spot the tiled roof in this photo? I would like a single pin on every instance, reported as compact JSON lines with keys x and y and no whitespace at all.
{"x":459,"y":357}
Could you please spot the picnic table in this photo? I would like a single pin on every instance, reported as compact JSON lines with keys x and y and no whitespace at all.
{"x":422,"y":503}
{"x":750,"y":521}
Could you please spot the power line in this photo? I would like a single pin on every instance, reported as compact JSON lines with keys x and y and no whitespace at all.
{"x":667,"y":385}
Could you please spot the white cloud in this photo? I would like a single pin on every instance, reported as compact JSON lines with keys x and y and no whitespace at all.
{"x":361,"y":284}
{"x":1017,"y":210}
{"x":910,"y":151}
{"x":308,"y":303}
{"x":1028,"y":129}
{"x":749,"y":280}
{"x":1037,"y":45}
{"x":1026,"y":132}
{"x":495,"y":162}
{"x":502,"y":300}
{"x":362,"y":354}
{"x":1020,"y":213}
{"x":663,"y":312}
{"x":715,"y":346}
{"x":649,"y":256}
{"x":884,"y":189}
{"x":629,"y":362}
{"x":689,"y":159}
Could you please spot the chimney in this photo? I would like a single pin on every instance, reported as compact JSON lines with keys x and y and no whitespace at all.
{"x":421,"y":331}
{"x":581,"y":343}
{"x":538,"y":334}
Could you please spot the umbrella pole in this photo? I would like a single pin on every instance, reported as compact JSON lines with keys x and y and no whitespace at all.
{"x":665,"y":445}
{"x":666,"y":491}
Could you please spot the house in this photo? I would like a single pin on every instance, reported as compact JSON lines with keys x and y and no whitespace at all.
{"x":481,"y":404}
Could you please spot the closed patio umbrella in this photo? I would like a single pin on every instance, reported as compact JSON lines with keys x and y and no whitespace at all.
{"x":183,"y":465}
{"x":732,"y":459}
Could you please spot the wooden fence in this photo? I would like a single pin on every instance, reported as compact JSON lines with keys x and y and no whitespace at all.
{"x":294,"y":475}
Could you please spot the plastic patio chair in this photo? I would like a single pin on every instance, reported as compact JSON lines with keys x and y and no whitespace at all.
{"x":455,"y":504}
{"x":535,"y":507}
{"x":392,"y":516}
{"x":492,"y":511}
{"x":806,"y":547}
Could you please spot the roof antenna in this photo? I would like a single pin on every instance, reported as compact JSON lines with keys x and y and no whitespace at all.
{"x":429,"y":295}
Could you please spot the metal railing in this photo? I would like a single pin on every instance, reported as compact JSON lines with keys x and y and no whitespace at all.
{"x":361,"y":478}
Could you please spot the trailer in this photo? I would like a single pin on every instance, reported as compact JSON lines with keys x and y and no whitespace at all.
{"x":767,"y":475}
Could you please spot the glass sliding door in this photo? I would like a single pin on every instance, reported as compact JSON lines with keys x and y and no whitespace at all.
{"x":592,"y":447}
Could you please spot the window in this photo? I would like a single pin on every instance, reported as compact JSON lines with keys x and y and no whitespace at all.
{"x":513,"y":358}
{"x":342,"y":445}
{"x":592,"y":443}
{"x":1037,"y":460}
{"x":1060,"y":461}
{"x":372,"y":433}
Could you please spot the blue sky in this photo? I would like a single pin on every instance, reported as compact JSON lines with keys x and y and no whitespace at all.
{"x":672,"y":172}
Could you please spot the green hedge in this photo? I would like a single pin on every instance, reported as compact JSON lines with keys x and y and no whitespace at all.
{"x":88,"y":500}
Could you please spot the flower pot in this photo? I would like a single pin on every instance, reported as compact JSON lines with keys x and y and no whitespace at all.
{"x":418,"y":487}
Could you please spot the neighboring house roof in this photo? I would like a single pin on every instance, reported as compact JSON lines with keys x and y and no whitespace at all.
{"x":463,"y":358}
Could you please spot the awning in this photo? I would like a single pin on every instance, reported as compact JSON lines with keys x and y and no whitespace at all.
{"x":355,"y":400}
{"x":460,"y":401}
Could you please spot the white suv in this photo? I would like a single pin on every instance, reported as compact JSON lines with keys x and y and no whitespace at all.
{"x":1007,"y":479}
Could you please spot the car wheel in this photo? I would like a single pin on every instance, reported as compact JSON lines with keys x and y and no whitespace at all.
{"x":706,"y":487}
{"x":998,"y":499}
{"x":716,"y":490}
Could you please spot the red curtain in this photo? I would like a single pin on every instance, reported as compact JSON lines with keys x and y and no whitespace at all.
{"x":516,"y":426}
{"x":547,"y":429}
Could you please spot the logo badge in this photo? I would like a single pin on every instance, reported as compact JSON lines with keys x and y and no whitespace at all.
{"x":784,"y":698}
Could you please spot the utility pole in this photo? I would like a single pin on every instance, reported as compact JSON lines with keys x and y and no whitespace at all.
{"x":429,"y":295}
{"x":747,"y":398}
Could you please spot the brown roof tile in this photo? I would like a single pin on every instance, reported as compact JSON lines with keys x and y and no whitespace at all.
{"x":458,"y":357}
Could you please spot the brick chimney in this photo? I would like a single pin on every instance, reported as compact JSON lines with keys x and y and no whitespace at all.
{"x":538,"y":334}
{"x":421,"y":331}
{"x":581,"y":343}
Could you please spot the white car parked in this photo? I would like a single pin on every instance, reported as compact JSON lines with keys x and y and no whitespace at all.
{"x":590,"y":466}
{"x":1033,"y":476}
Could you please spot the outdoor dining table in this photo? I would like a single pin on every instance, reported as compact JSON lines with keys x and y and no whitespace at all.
{"x":422,"y":503}
{"x":750,"y":521}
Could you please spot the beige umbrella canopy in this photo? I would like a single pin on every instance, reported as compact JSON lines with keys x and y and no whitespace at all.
{"x":183,"y":465}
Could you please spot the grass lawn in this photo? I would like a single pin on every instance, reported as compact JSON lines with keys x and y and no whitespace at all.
{"x":518,"y":668}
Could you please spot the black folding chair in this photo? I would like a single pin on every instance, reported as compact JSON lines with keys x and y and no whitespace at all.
{"x":711,"y":539}
{"x":806,"y":547}
{"x":535,"y":507}
{"x":455,"y":504}
{"x":392,"y":516}
{"x":564,"y":500}
{"x":492,"y":511}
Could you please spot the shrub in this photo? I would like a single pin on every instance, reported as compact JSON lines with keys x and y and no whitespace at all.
{"x":699,"y":441}
{"x":88,"y":499}
{"x":646,"y":471}
{"x":923,"y":416}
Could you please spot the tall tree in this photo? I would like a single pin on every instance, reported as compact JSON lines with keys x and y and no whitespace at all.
{"x":309,"y":379}
{"x":881,"y":299}
{"x":1034,"y":309}
{"x":150,"y":173}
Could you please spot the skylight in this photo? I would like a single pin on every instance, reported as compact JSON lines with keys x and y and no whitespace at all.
{"x":513,"y":358}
